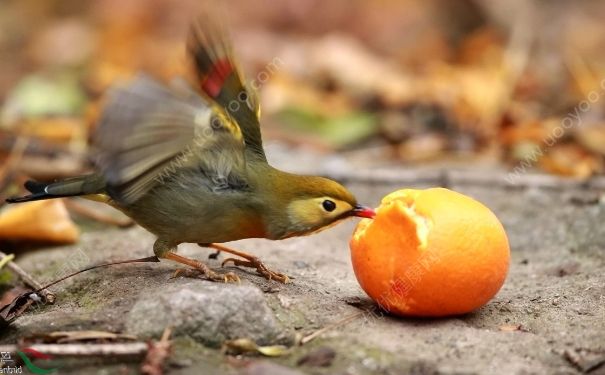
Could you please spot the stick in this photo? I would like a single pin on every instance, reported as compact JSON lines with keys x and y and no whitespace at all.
{"x":85,"y":350}
{"x":138,"y":260}
{"x":29,"y":280}
{"x":343,"y":321}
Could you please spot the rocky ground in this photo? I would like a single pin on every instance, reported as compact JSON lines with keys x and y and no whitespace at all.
{"x":555,"y":293}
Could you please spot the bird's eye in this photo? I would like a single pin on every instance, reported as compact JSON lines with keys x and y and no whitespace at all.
{"x":216,"y":123}
{"x":328,"y":205}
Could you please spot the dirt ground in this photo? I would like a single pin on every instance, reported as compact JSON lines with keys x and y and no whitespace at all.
{"x":555,"y":291}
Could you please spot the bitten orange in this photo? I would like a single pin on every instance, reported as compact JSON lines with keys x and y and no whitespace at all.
{"x":431,"y":252}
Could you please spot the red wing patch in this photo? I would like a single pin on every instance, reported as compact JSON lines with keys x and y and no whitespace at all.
{"x":213,"y":82}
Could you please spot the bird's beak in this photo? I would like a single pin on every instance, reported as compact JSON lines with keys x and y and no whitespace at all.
{"x":361,"y":211}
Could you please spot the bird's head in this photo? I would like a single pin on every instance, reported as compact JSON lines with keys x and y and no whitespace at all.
{"x":316,"y":203}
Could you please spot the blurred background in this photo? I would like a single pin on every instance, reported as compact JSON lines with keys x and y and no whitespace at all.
{"x":518,"y":85}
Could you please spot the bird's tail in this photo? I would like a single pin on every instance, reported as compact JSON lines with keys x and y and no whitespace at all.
{"x":81,"y":185}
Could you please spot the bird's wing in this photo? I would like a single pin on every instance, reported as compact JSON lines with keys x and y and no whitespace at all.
{"x":222,"y":81}
{"x":148,"y":133}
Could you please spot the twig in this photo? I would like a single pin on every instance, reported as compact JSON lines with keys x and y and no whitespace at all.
{"x":85,"y":350}
{"x":156,"y":354}
{"x":138,"y":260}
{"x":343,"y":321}
{"x":29,"y":280}
{"x":93,"y":214}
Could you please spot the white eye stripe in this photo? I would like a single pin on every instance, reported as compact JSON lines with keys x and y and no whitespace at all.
{"x":202,"y":117}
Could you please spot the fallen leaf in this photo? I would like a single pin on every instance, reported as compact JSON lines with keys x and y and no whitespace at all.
{"x":244,"y":345}
{"x":42,"y":221}
{"x":571,"y":160}
{"x":592,"y":137}
{"x":10,"y":312}
{"x":55,"y":129}
{"x":423,"y":147}
{"x":11,"y":294}
{"x":512,"y":328}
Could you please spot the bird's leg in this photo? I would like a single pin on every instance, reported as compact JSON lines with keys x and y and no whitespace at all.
{"x":162,"y":251}
{"x":250,"y":261}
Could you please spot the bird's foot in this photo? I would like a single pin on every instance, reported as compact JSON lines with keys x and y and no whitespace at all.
{"x":200,"y":269}
{"x":228,"y":277}
{"x":260,"y":267}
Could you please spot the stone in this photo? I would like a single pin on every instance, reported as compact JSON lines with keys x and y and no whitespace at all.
{"x":209,"y":313}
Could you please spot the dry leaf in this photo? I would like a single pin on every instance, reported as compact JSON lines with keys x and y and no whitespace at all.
{"x":512,"y":328}
{"x":42,"y":221}
{"x":242,"y":346}
{"x":423,"y":147}
{"x":592,"y":137}
{"x":11,"y":311}
{"x":56,"y":129}
{"x":571,"y":160}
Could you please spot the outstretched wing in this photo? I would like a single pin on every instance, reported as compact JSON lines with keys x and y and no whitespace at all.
{"x":148,"y":133}
{"x":221,"y":80}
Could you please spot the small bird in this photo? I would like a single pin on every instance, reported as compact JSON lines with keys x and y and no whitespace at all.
{"x":188,"y":165}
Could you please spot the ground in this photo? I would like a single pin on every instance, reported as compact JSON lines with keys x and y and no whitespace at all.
{"x":555,"y":292}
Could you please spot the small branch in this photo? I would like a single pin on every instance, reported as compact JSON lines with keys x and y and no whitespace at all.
{"x":29,"y":280}
{"x":85,"y":350}
{"x":152,"y":258}
{"x":343,"y":321}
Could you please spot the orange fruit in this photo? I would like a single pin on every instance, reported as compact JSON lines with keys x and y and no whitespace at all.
{"x":431,"y":252}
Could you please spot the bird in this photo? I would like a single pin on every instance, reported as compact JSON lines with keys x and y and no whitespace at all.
{"x":186,"y":162}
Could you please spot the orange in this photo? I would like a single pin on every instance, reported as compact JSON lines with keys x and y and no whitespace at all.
{"x":431,"y":252}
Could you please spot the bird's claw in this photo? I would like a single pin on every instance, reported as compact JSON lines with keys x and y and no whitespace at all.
{"x":230,"y":277}
{"x":260,"y":268}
